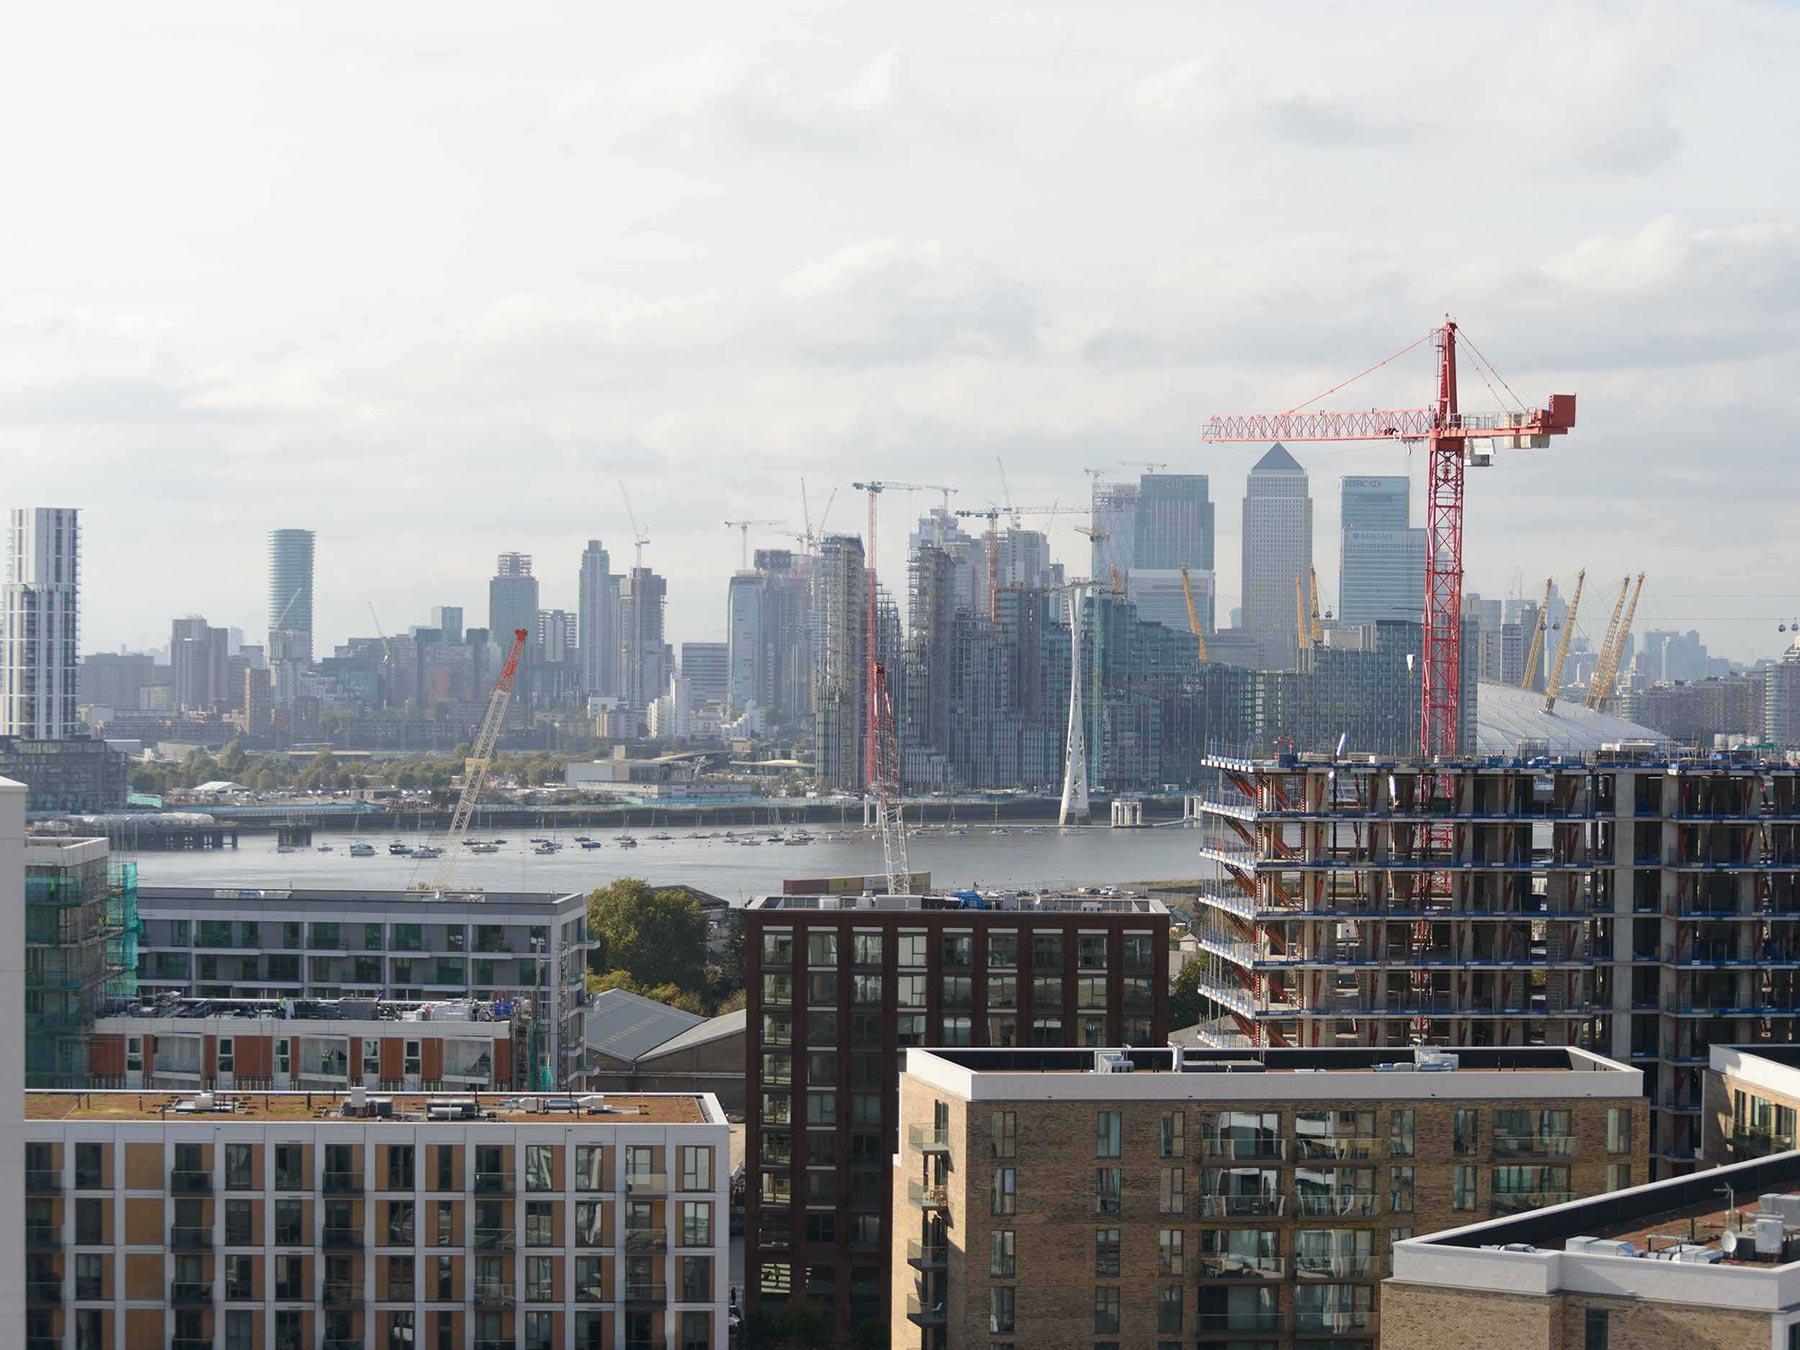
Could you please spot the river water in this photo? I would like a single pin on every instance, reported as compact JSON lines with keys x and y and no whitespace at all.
{"x":1092,"y":856}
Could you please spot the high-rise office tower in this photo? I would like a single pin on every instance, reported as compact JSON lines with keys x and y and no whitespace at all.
{"x":597,"y":606}
{"x":1113,"y":518}
{"x":513,"y":602}
{"x":199,"y":668}
{"x":644,"y":654}
{"x":704,"y":666}
{"x":448,"y":620}
{"x":1172,"y":528}
{"x":556,"y":636}
{"x":1277,"y":549}
{"x":838,"y":663}
{"x":1381,"y":568}
{"x":291,"y":594}
{"x":40,"y":630}
{"x":769,"y":638}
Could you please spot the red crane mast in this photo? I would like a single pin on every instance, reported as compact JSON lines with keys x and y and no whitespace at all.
{"x":1451,"y":438}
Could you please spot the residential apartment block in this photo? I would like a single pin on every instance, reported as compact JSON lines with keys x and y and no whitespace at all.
{"x":1752,"y":1099}
{"x":1052,"y":1198}
{"x":325,"y":1045}
{"x":410,"y":946}
{"x":81,"y":931}
{"x":1643,"y":907}
{"x":1710,"y":1260}
{"x":840,"y":987}
{"x":292,"y":1221}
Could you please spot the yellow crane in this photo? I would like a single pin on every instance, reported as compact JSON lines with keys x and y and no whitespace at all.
{"x":1187,"y":589}
{"x":1606,"y":670}
{"x":1606,"y":643}
{"x":1302,"y":631}
{"x":1318,"y":628}
{"x":1554,"y":683}
{"x":1537,"y":637}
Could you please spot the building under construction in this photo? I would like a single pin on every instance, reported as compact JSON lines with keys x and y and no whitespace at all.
{"x":1640,"y":906}
{"x":81,"y":932}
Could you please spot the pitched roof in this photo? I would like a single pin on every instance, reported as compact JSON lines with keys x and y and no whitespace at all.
{"x":1278,"y":460}
{"x":713,"y":1029}
{"x":625,"y":1026}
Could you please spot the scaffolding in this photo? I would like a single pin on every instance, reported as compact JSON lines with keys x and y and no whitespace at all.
{"x":81,"y":937}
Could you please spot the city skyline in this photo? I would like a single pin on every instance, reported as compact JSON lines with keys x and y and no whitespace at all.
{"x":426,"y":396}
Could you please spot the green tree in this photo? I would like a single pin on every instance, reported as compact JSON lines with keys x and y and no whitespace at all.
{"x":233,"y":759}
{"x":656,"y":937}
{"x":1184,"y":997}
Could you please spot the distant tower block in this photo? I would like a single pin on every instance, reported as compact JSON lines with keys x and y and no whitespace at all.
{"x":1075,"y":766}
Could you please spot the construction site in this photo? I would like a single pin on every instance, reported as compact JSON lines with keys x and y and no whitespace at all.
{"x":81,"y":951}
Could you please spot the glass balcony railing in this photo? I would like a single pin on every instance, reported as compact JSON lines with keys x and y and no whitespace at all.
{"x":1517,"y":1145}
{"x":1340,"y":1146}
{"x":927,"y":1195}
{"x":494,"y":1183}
{"x":495,"y":1294}
{"x":1262,"y":1320}
{"x":189,"y":1294}
{"x":639,"y":1182}
{"x":928,"y":1138}
{"x":1242,"y":1206}
{"x":1337,"y":1204}
{"x":495,"y":1240}
{"x":341,"y":1294}
{"x":190,"y":1183}
{"x":43,"y":1181}
{"x":644,"y":1293}
{"x":190,"y":1239}
{"x":927,"y":1255}
{"x":1253,"y":1149}
{"x":1336,"y":1266}
{"x":342,"y":1183}
{"x":925,"y":1314}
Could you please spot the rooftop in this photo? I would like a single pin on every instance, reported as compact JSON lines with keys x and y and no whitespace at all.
{"x":252,"y":1107}
{"x":349,"y":896}
{"x":1354,"y":1074}
{"x":1025,"y":902}
{"x":176,"y":1008}
{"x":1744,"y":1218}
{"x":623,"y":1025}
{"x":1510,"y":721}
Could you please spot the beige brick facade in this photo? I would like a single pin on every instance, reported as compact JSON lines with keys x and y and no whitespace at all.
{"x":1427,"y":1317}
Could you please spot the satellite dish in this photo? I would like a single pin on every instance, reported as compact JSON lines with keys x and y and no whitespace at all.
{"x":1728,"y":1242}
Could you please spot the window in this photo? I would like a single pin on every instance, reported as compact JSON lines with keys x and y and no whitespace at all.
{"x":1172,"y":1138}
{"x":1462,"y":1188}
{"x":696,"y":1279}
{"x":237,"y":1224}
{"x":1108,"y":1190}
{"x":1172,"y":1191}
{"x":538,"y":1279}
{"x":1002,"y":952}
{"x":1170,"y":1257}
{"x":696,"y":1167}
{"x":1106,"y":1253}
{"x":1464,"y":1136}
{"x":1168,"y":1307}
{"x":1005,"y":1191}
{"x":1000,"y":1310}
{"x":590,"y":1167}
{"x":1400,"y":1134}
{"x":865,"y":949}
{"x":1002,"y":1254}
{"x":540,"y":1168}
{"x":88,"y":1170}
{"x":238,"y":1174}
{"x":1618,"y":1129}
{"x":1618,"y":1176}
{"x":696,"y":1223}
{"x":540,"y":1223}
{"x":1106,"y":1309}
{"x":400,"y":1223}
{"x":1005,"y":1126}
{"x":1400,"y":1189}
{"x":1106,"y":1134}
{"x":90,"y":1218}
{"x":134,"y":1054}
{"x":914,"y":948}
{"x":400,"y":1167}
{"x":1595,"y":1331}
{"x":957,"y":949}
{"x":288,"y":1230}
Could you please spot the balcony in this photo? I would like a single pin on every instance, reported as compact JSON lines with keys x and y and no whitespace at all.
{"x":924,"y":1314}
{"x":342,"y":1343}
{"x":190,"y":1294}
{"x":190,"y":1183}
{"x":1337,"y":1204}
{"x":1338,"y":1147}
{"x":1242,"y":1206}
{"x":44,"y":1293}
{"x":1529,"y":1145}
{"x":1262,"y":1148}
{"x":1337,"y":1266}
{"x":190,"y":1239}
{"x":398,"y":1291}
{"x":1264,"y":1320}
{"x":638,"y":1182}
{"x":292,"y":1181}
{"x":927,"y":1255}
{"x":341,"y":1294}
{"x":343,"y":1183}
{"x":43,"y":1181}
{"x":495,"y":1294}
{"x":494,"y":1183}
{"x":646,"y":1295}
{"x":928,"y":1139}
{"x":927,"y":1195}
{"x":342,"y":1240}
{"x":1517,"y":1202}
{"x":646,"y":1239}
{"x":40,"y":1237}
{"x":1238,"y":1266}
{"x":495,"y":1240}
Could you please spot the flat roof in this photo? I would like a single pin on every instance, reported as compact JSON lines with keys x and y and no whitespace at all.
{"x":349,"y":895}
{"x":1294,"y":1075}
{"x":408,"y":1012}
{"x":1018,"y":903}
{"x":677,"y":1108}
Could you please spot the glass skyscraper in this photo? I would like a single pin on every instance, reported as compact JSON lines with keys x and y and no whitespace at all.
{"x":1381,"y":572}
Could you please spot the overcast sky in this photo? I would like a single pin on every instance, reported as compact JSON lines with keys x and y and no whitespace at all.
{"x":430,"y":278}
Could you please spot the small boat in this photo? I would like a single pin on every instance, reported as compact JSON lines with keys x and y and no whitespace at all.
{"x":428,"y":851}
{"x":543,"y":848}
{"x":625,"y":841}
{"x":583,"y":838}
{"x":362,"y":850}
{"x":590,"y":843}
{"x":998,"y":830}
{"x":661,"y":837}
{"x":287,"y":848}
{"x":400,"y":849}
{"x":484,"y":848}
{"x":751,"y":843}
{"x":499,"y":841}
{"x":324,"y":848}
{"x":794,"y":839}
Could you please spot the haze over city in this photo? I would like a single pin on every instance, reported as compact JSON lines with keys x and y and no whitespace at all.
{"x":430,"y":279}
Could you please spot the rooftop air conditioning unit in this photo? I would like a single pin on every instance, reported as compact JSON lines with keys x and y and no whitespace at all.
{"x":1787,"y":1206}
{"x":1111,"y":1061}
{"x":1768,"y":1231}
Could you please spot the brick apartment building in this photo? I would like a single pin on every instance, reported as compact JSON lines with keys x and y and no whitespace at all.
{"x":1050,"y":1199}
{"x":840,"y":987}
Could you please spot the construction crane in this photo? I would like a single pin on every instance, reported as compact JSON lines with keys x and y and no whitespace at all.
{"x":1554,"y":682}
{"x":992,"y":516}
{"x":638,"y":537}
{"x":874,"y":488}
{"x":1318,"y":627}
{"x":811,"y":540}
{"x":1147,"y":465}
{"x":1302,"y":630}
{"x":1537,"y":637}
{"x":1606,"y":669}
{"x":1006,"y":492}
{"x":481,"y":758}
{"x":743,"y":529}
{"x":1187,"y":589}
{"x":1452,"y":438}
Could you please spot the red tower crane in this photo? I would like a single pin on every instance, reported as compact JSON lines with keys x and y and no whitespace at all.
{"x":1451,"y":437}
